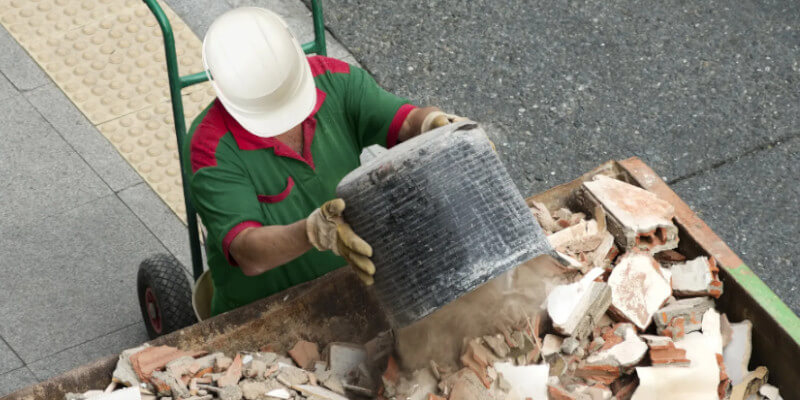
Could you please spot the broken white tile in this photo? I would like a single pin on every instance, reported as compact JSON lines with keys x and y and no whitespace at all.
{"x":697,"y":382}
{"x":638,"y":219}
{"x":711,"y":329}
{"x":574,"y":307}
{"x":281,"y":393}
{"x":527,"y":382}
{"x":736,"y":354}
{"x":638,"y":288}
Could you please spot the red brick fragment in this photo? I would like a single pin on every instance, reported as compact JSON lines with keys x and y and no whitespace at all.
{"x":156,"y":358}
{"x":724,"y":380}
{"x":203,"y":372}
{"x":270,"y":348}
{"x":668,"y":355}
{"x":599,"y":373}
{"x":392,"y":372}
{"x":624,"y":387}
{"x":558,"y":393}
{"x":233,"y":374}
{"x":305,"y":354}
{"x":477,"y":358}
{"x":432,"y":396}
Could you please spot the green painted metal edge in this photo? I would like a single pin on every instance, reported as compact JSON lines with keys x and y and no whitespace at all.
{"x":764,"y":296}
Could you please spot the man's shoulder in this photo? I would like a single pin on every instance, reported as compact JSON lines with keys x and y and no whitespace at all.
{"x":205,"y":137}
{"x":321,"y":65}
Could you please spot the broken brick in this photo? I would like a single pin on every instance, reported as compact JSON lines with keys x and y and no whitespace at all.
{"x":305,"y":354}
{"x":556,"y":392}
{"x":681,"y":317}
{"x":599,"y":373}
{"x":478,"y":358}
{"x":155,"y":358}
{"x":668,"y":355}
{"x":637,"y":218}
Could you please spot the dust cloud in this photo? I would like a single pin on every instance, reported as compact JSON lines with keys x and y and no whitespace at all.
{"x":502,"y":302}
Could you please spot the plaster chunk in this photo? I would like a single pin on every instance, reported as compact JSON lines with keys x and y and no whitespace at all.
{"x":736,"y":354}
{"x":625,"y":354}
{"x":527,"y":382}
{"x":697,"y":277}
{"x":638,"y":288}
{"x":575,"y":307}
{"x":680,"y":317}
{"x":638,"y":219}
{"x":699,"y":381}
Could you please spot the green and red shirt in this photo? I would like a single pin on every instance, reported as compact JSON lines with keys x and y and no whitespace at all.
{"x":240,"y":180}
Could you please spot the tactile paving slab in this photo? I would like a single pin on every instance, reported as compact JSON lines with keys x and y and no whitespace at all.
{"x":442,"y":216}
{"x":108,"y":58}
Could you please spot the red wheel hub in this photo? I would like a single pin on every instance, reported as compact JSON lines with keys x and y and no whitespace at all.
{"x":153,"y":311}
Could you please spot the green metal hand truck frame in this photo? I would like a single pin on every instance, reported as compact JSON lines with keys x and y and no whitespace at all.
{"x":166,"y":297}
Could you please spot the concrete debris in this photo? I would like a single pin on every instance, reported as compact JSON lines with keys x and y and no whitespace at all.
{"x":527,"y":382}
{"x":124,"y":373}
{"x":569,"y":345}
{"x":552,"y":344}
{"x":637,"y":218}
{"x":498,"y":345}
{"x":575,"y":307}
{"x":680,"y":317}
{"x":638,"y":288}
{"x":736,"y":354}
{"x":697,"y":277}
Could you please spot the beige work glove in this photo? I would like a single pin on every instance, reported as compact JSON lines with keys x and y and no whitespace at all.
{"x":327,"y":230}
{"x":438,"y":119}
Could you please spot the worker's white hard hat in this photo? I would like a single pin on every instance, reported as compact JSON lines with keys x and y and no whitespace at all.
{"x":259,"y":70}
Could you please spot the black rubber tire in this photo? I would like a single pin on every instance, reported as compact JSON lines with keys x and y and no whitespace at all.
{"x":162,"y":282}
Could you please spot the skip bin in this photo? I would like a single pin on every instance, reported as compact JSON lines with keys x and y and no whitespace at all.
{"x":337,"y":308}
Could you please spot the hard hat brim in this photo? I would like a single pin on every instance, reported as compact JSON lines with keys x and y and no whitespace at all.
{"x":269,"y":123}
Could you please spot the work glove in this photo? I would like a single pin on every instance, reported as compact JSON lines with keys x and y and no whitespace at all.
{"x":327,"y":230}
{"x":438,"y":119}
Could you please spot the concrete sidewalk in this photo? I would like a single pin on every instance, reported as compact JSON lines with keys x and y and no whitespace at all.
{"x":77,"y":219}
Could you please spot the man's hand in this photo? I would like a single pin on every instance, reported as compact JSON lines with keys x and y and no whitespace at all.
{"x":327,"y":230}
{"x":438,"y":119}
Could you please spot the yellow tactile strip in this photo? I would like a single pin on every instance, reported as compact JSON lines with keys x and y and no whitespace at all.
{"x":108,"y":58}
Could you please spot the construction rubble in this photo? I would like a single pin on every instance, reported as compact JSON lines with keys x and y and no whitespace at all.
{"x":626,"y":316}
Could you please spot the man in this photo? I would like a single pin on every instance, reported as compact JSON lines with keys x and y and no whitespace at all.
{"x":265,"y":157}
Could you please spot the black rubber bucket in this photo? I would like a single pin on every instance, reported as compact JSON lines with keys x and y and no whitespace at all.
{"x":442,"y":216}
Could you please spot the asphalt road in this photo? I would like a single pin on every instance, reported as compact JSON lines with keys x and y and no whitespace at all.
{"x":705,"y":92}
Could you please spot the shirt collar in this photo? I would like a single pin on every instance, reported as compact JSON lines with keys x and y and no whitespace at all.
{"x":249,"y":141}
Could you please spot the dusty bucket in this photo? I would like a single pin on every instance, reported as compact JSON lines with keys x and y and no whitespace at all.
{"x":442,"y":216}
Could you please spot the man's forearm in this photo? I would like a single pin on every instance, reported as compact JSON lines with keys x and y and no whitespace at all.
{"x":261,"y":249}
{"x":413,"y":124}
